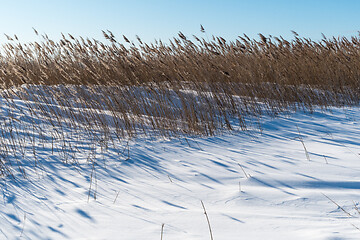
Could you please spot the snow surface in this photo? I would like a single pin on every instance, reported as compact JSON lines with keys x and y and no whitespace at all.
{"x":162,"y":181}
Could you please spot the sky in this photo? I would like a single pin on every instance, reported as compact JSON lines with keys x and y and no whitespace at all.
{"x":163,"y":19}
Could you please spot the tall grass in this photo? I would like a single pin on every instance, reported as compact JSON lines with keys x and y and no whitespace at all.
{"x":119,"y":89}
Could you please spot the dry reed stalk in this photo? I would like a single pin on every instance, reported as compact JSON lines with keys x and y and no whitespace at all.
{"x":246,"y":175}
{"x":326,"y":159}
{"x":162,"y":231}
{"x":342,"y":209}
{"x":355,"y":226}
{"x":303,"y":144}
{"x":116,"y":197}
{"x":207,"y":219}
{"x":356,"y":208}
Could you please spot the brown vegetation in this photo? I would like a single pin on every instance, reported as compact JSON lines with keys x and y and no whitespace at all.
{"x":118,"y":90}
{"x":188,"y":86}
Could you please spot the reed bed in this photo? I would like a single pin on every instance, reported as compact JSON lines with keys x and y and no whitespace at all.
{"x":119,"y":89}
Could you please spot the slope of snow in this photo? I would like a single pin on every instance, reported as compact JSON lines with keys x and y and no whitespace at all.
{"x":284,"y":195}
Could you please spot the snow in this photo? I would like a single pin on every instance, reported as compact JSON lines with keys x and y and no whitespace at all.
{"x":163,"y":181}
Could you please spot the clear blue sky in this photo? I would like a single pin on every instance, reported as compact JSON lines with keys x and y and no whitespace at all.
{"x":154,"y":19}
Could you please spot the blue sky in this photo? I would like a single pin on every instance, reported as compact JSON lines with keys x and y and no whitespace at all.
{"x":161,"y":19}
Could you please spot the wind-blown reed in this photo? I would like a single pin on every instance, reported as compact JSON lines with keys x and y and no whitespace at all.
{"x":187,"y":86}
{"x":201,"y":83}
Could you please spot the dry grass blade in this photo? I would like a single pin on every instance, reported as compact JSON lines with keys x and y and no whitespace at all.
{"x":243,"y":171}
{"x":342,"y":209}
{"x":116,"y":197}
{"x":303,"y":144}
{"x":326,"y":160}
{"x":162,"y":231}
{"x":355,"y":227}
{"x":22,"y":229}
{"x":207,"y":219}
{"x":356,"y":208}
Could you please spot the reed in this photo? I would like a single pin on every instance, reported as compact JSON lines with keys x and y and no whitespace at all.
{"x":83,"y":88}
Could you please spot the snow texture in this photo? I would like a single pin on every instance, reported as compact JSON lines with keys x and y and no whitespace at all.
{"x":254,"y":185}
